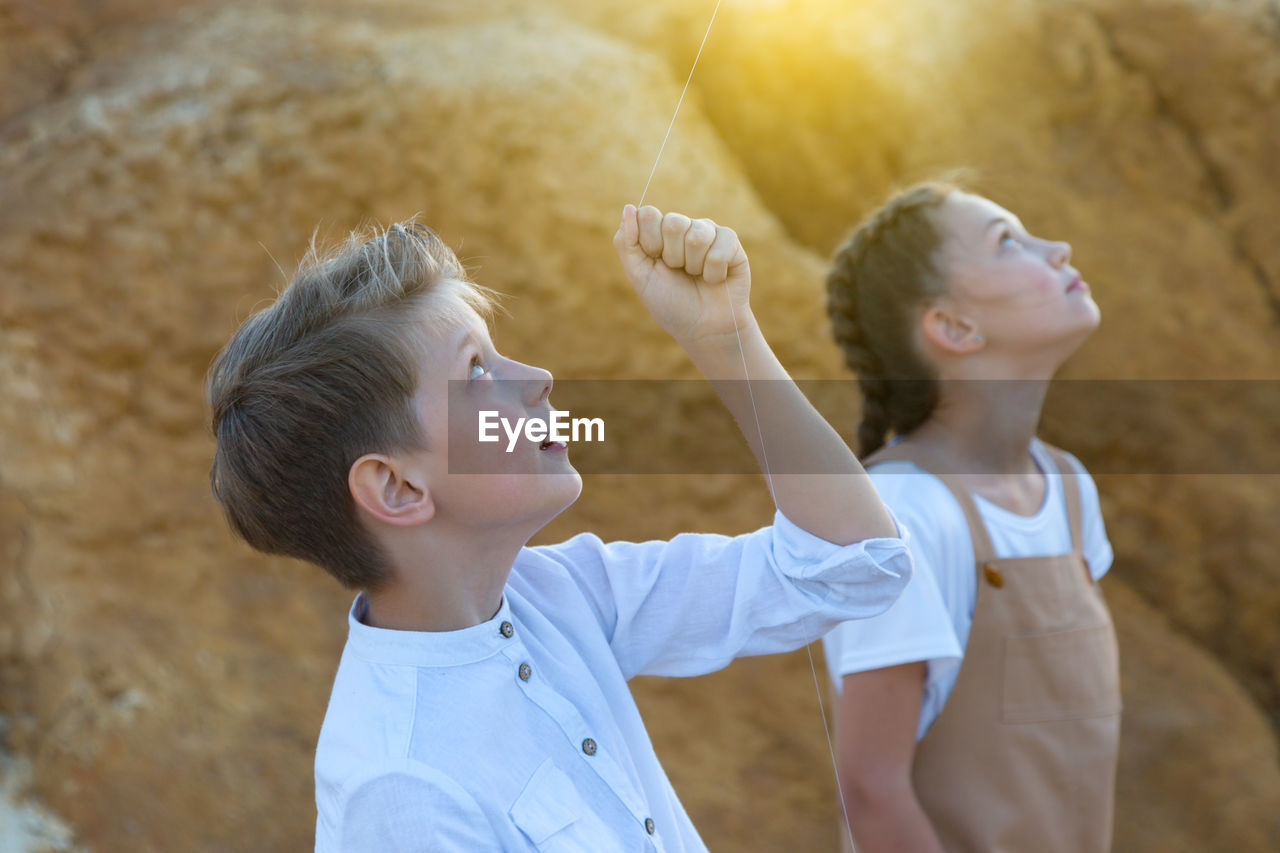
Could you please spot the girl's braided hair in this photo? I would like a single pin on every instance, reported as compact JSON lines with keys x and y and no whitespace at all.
{"x":880,"y":277}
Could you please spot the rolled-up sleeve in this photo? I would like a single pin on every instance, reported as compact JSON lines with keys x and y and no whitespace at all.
{"x":692,"y":604}
{"x":799,"y":553}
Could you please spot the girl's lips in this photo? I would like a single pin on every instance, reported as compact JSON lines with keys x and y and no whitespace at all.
{"x":554,"y":446}
{"x":1077,"y":283}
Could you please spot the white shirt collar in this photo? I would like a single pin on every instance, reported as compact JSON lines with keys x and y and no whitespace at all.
{"x":429,"y":648}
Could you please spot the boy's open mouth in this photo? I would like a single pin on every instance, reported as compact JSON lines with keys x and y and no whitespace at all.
{"x":548,"y":444}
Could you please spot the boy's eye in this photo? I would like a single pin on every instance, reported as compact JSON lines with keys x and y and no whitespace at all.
{"x":476,"y":370}
{"x":1007,"y":239}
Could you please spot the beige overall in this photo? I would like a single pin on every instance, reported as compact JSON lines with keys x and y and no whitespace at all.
{"x":1022,"y":757}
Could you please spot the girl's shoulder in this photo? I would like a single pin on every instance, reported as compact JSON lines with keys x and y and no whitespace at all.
{"x":904,"y":477}
{"x":1053,"y":453}
{"x":899,"y":477}
{"x":1086,"y":488}
{"x":920,"y":500}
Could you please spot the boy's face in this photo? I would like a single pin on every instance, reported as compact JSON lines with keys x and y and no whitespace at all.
{"x":461,"y":375}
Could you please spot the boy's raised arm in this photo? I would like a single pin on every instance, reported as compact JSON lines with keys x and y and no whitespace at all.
{"x":694,"y":278}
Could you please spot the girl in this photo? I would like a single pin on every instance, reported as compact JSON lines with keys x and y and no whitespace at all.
{"x":982,"y":711}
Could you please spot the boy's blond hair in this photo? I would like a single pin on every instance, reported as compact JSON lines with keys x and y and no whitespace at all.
{"x":322,"y":376}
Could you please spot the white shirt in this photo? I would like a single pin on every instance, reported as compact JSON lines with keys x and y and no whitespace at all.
{"x":521,"y":734}
{"x":930,"y":622}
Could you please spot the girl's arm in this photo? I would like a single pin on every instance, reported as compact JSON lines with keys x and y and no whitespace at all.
{"x":877,"y":715}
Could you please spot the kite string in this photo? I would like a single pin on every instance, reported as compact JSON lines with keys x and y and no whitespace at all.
{"x":764,"y":456}
{"x":679,"y":103}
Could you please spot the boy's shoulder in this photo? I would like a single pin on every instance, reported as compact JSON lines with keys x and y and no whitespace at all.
{"x":568,"y":583}
{"x":369,"y":719}
{"x":579,"y":548}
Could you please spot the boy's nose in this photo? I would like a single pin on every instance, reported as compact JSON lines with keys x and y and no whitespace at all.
{"x":537,"y":385}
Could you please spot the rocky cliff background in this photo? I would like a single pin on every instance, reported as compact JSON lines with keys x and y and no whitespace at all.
{"x":162,"y":686}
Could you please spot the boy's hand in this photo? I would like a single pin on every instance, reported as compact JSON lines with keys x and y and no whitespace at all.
{"x":687,"y":272}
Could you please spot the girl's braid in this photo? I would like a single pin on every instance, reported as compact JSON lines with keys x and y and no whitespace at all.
{"x":880,"y":277}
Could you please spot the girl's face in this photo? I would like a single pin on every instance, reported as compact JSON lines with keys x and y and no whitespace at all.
{"x":1020,"y":292}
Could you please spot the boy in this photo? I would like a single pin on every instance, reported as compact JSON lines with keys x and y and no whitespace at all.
{"x":481,"y":702}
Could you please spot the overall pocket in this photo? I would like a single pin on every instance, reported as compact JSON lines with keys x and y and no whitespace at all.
{"x":1061,"y":675}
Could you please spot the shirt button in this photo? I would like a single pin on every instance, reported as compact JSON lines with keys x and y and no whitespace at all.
{"x":525,"y":671}
{"x":648,"y":825}
{"x":993,"y":575}
{"x":589,"y":746}
{"x":507,"y":630}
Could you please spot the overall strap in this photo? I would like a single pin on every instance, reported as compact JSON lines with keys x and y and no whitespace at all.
{"x":982,"y":549}
{"x":1070,"y":494}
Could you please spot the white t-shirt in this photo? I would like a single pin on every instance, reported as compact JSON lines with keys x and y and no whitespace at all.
{"x":930,"y":621}
{"x":520,"y":733}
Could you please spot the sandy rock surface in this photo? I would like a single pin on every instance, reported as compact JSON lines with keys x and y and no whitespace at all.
{"x":1198,"y":765}
{"x":167,"y":684}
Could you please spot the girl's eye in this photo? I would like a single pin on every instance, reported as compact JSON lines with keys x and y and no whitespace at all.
{"x":476,"y":370}
{"x":1007,"y":239}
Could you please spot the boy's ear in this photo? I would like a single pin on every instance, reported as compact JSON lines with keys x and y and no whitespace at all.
{"x":951,"y":333}
{"x":390,"y":491}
